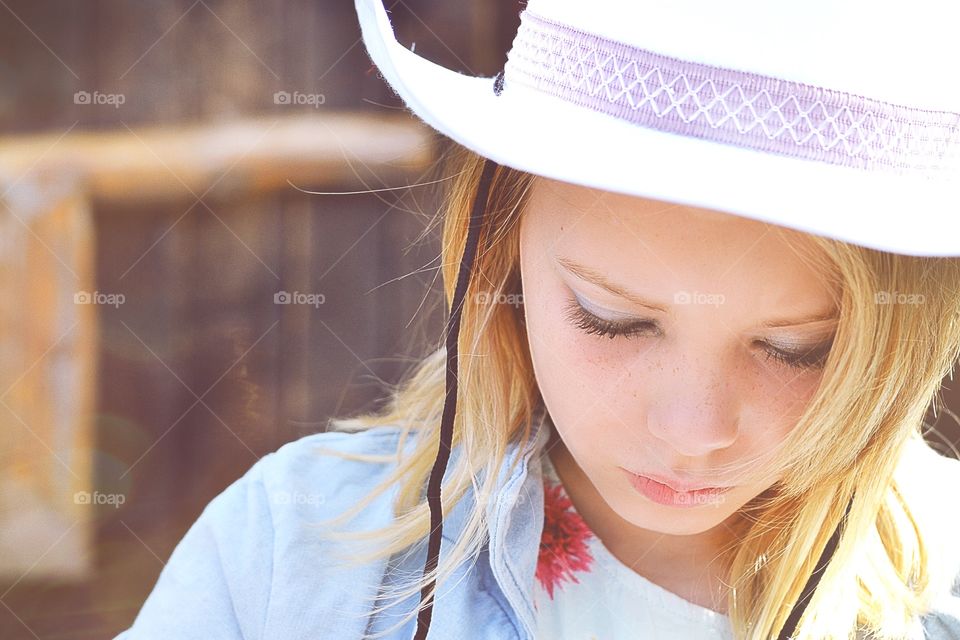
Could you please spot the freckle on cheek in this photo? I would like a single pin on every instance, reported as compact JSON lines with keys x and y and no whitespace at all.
{"x":599,"y":364}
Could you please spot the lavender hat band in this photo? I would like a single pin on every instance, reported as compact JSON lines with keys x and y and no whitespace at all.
{"x":733,"y":107}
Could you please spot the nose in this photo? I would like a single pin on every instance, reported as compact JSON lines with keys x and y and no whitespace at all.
{"x":694,"y":413}
{"x":693,"y":425}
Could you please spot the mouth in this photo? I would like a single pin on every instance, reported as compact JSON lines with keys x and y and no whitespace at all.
{"x":668,"y":494}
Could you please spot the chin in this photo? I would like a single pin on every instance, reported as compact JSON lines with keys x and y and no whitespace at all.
{"x":687,"y":523}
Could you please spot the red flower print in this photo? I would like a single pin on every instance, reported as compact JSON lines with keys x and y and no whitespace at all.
{"x":563,"y":544}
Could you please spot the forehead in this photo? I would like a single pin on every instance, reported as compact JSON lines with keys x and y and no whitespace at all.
{"x":612,"y":208}
{"x":675,"y":246}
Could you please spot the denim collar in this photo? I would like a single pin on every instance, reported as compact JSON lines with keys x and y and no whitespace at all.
{"x":515,"y":521}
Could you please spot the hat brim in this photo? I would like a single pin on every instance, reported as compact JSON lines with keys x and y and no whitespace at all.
{"x":897,"y":213}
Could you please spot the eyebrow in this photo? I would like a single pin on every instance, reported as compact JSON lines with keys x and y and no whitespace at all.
{"x":594,"y":277}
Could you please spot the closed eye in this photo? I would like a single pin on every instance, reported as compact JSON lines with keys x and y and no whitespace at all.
{"x":591,"y":324}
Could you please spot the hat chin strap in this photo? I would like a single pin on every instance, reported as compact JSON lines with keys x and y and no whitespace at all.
{"x":425,"y":615}
{"x":450,"y":401}
{"x":794,"y":619}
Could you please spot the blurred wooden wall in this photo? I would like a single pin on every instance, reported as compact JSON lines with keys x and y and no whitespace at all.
{"x":198,"y":275}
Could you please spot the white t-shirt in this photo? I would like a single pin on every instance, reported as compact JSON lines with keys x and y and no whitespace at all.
{"x":583,"y":592}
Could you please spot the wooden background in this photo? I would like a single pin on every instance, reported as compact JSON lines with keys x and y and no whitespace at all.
{"x":198,"y":275}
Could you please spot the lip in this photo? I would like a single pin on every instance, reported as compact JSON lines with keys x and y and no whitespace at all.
{"x":666,"y":494}
{"x":677,"y":485}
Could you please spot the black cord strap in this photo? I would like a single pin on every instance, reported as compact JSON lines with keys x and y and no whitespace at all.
{"x":450,"y":401}
{"x":790,"y":626}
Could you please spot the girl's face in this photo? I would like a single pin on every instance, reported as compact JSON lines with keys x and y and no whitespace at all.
{"x":668,"y":340}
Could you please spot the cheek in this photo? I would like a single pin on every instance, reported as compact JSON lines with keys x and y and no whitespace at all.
{"x":778,"y":400}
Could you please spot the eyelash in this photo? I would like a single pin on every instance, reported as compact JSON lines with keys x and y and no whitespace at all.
{"x":589,"y":323}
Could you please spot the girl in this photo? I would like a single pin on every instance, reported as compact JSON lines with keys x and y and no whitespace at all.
{"x":702,"y":293}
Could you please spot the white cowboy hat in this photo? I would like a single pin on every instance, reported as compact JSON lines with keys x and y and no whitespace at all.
{"x":839,"y":118}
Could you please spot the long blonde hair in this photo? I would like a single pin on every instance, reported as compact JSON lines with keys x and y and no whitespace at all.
{"x":860,"y":435}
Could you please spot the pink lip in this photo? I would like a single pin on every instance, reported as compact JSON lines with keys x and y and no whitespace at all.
{"x":663,"y":493}
{"x":677,"y":485}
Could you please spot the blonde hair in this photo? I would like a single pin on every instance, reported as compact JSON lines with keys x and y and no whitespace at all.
{"x":854,"y":438}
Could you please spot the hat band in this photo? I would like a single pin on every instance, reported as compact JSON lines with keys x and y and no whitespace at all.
{"x":734,"y":107}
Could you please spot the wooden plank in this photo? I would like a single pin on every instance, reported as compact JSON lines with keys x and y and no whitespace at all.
{"x":48,"y":310}
{"x":346,"y":150}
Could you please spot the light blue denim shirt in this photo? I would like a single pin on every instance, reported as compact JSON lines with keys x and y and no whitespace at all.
{"x":252,"y":567}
